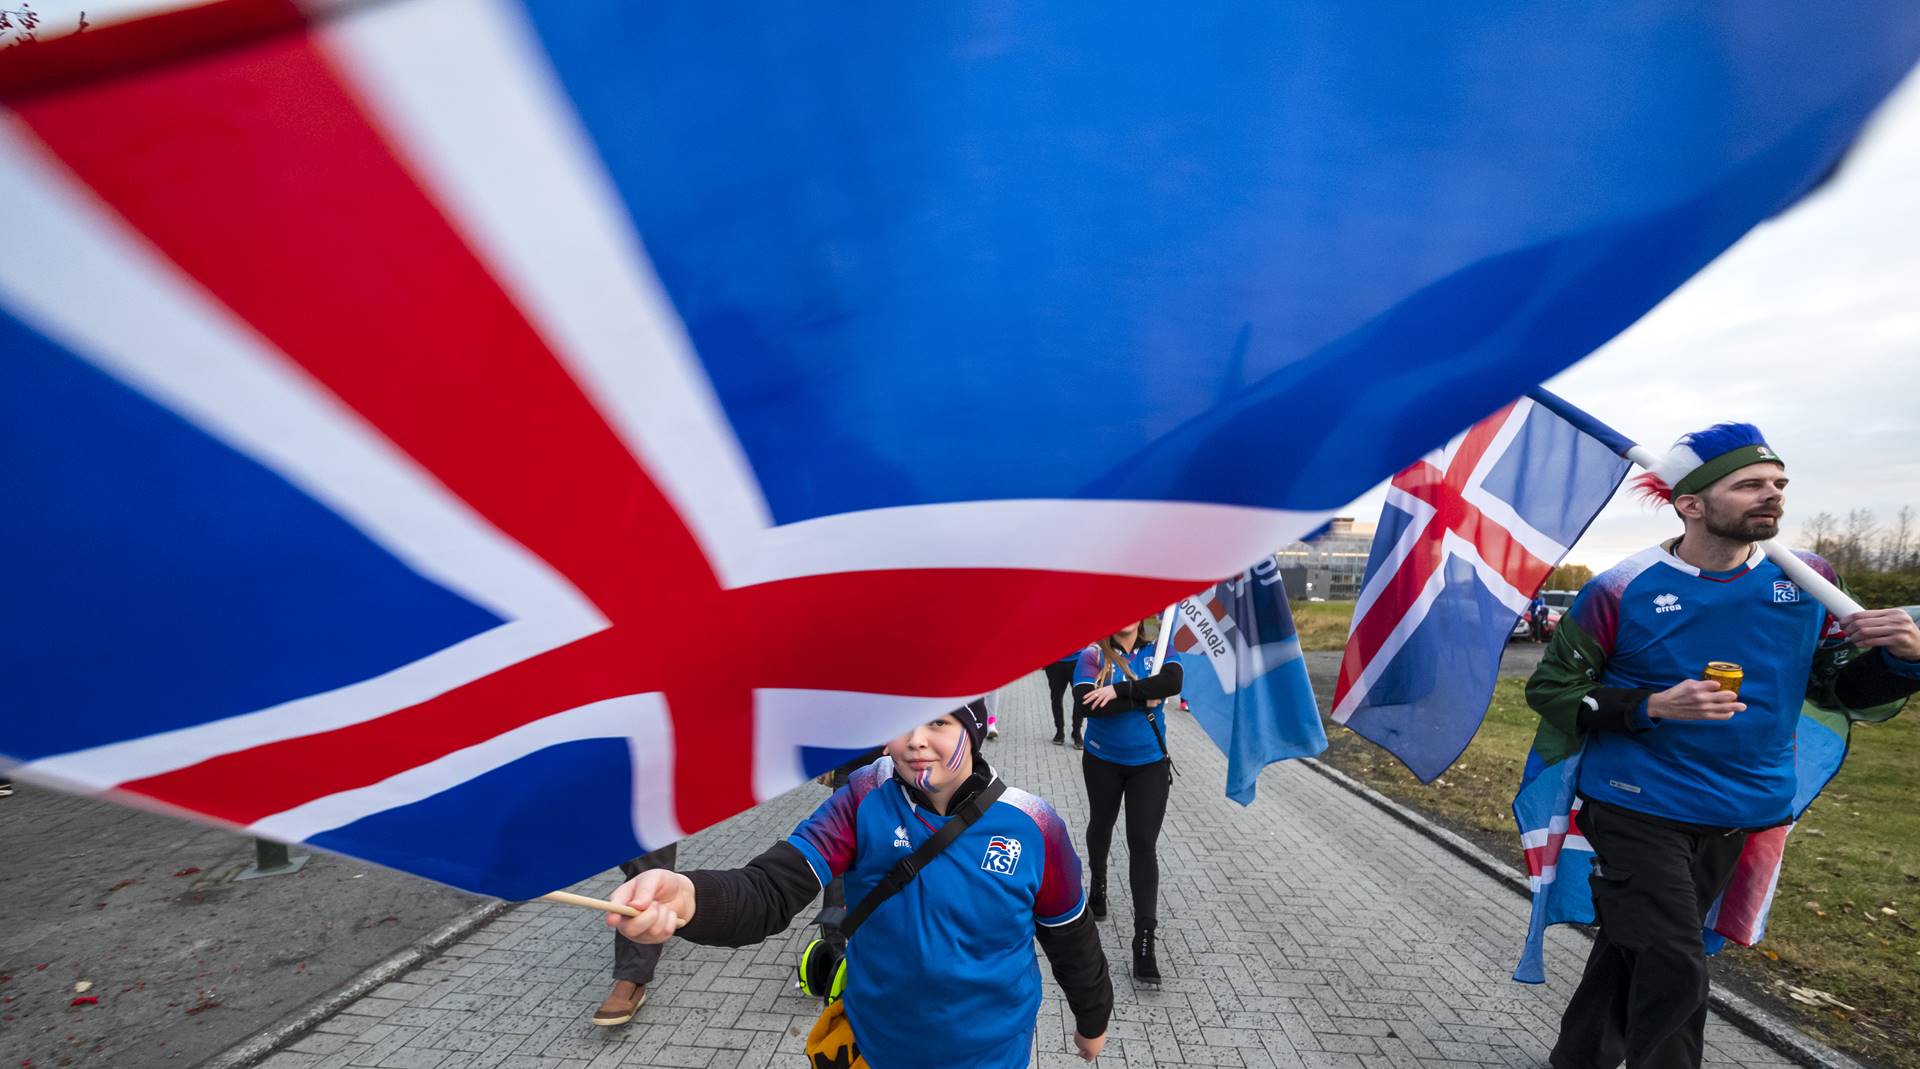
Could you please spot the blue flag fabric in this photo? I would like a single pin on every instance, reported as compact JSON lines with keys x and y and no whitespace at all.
{"x":1466,"y":539}
{"x":1245,"y":677}
{"x":376,"y":378}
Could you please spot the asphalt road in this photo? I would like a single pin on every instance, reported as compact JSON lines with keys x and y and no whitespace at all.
{"x":1323,"y":666}
{"x":183,"y":961}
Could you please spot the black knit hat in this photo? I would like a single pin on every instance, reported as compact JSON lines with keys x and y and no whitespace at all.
{"x":973,"y":720}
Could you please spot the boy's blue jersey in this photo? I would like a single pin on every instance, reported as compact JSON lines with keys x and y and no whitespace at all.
{"x":1660,"y":620}
{"x":944,"y":972}
{"x":1124,"y":738}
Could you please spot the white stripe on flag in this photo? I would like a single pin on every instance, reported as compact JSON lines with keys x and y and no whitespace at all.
{"x":641,"y":719}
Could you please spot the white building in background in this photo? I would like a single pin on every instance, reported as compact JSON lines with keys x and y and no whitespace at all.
{"x":1331,"y":565}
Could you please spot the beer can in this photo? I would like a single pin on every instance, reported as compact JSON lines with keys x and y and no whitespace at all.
{"x":1725,"y":673}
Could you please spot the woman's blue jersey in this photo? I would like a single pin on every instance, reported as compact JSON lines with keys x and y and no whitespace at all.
{"x":944,"y":973}
{"x":1124,"y":738}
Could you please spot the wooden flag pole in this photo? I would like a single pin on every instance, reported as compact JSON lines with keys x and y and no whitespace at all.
{"x":1803,"y":576}
{"x":568,"y":898}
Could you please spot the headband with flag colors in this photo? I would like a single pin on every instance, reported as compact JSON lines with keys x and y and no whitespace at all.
{"x":1702,"y":458}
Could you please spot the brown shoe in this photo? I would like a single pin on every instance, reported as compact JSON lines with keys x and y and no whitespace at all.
{"x":625,"y":1000}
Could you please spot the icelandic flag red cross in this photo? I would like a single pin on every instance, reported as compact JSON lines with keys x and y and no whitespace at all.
{"x":494,"y":439}
{"x":1465,"y":541}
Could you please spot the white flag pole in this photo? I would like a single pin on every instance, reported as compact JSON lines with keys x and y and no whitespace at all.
{"x":1167,"y":617}
{"x":1835,"y":599}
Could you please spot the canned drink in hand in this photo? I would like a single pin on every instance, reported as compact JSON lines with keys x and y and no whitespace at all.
{"x":1725,"y":673}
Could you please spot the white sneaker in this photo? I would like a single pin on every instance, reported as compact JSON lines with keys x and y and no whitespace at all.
{"x":993,"y":731}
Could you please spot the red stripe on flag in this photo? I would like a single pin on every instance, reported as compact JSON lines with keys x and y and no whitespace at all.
{"x":922,"y":637}
{"x":258,"y":174}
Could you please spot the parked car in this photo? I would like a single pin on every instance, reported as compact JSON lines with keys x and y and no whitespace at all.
{"x":1558,"y":602}
{"x":1556,"y":605}
{"x":1522,"y":629}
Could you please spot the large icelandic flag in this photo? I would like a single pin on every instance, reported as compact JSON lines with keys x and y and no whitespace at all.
{"x":1466,"y":539}
{"x":568,"y":424}
{"x":1245,"y":678}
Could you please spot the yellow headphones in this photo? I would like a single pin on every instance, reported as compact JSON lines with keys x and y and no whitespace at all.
{"x":823,"y":970}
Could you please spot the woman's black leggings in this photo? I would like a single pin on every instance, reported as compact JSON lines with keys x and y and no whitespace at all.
{"x":1144,"y":788}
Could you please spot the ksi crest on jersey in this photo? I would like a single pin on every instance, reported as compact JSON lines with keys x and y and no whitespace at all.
{"x":1003,"y":855}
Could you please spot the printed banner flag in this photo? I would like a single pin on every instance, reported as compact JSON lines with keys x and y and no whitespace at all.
{"x":1467,"y":538}
{"x":1245,"y":678}
{"x":574,"y":423}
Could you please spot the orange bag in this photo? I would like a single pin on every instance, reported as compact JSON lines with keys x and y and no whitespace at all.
{"x":830,"y":1045}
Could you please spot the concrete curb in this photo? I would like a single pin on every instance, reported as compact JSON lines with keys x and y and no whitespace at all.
{"x":258,"y":1047}
{"x":1744,"y":1014}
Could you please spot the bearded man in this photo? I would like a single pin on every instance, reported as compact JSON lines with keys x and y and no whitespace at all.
{"x":1677,"y":770}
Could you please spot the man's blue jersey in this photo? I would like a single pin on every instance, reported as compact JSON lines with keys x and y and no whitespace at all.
{"x":1659,"y":621}
{"x":944,"y":973}
{"x":1124,"y":738}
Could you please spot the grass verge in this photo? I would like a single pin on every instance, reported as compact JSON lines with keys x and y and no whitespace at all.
{"x":1844,"y":918}
{"x":1322,"y":625}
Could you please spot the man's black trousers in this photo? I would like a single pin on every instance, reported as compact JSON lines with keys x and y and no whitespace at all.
{"x":1059,"y":685}
{"x":1643,"y":997}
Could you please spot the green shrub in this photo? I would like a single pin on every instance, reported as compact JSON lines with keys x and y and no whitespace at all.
{"x":1878,"y":590}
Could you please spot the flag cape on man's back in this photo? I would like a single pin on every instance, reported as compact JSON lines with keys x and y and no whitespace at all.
{"x":1560,"y":861}
{"x":1245,"y":676}
{"x":1465,"y":540}
{"x":574,"y":422}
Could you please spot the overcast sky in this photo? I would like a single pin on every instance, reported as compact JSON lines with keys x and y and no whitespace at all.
{"x":1808,"y":328}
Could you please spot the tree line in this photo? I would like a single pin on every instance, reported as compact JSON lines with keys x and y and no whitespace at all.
{"x":1859,"y":542}
{"x":1879,"y":561}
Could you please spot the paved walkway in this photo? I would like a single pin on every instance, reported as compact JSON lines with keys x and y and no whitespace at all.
{"x":1309,"y":929}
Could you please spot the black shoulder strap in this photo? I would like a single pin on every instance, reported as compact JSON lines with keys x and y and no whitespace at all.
{"x":903,"y":873}
{"x":1160,"y":736}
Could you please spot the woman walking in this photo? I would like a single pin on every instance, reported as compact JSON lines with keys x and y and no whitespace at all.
{"x":1126,"y":764}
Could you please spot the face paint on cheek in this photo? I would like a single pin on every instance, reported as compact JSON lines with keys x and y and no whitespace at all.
{"x":953,"y":763}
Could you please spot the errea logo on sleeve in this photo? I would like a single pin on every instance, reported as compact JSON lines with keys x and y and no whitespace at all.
{"x":1666,"y":603}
